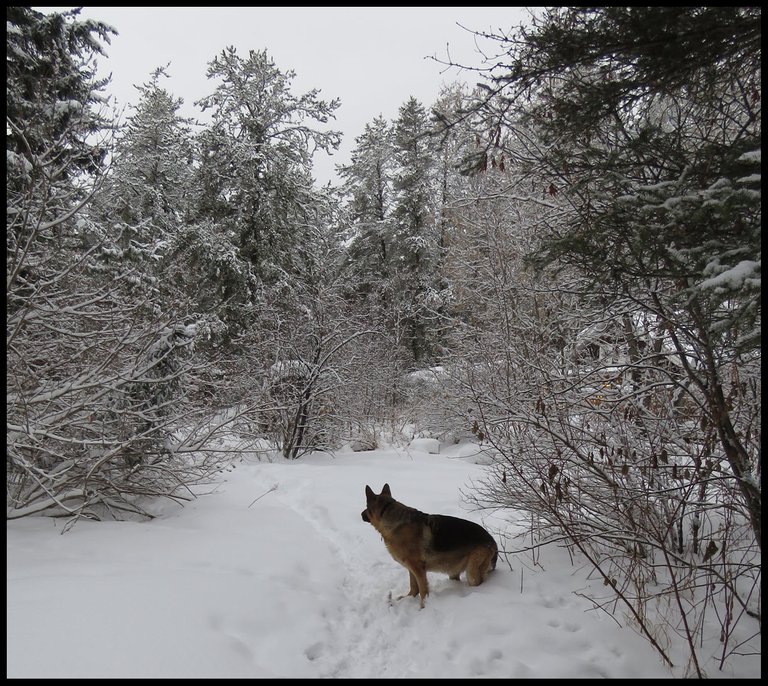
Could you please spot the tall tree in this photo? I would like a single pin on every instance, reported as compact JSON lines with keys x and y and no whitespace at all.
{"x":145,"y":201}
{"x":152,"y":168}
{"x":367,"y":188}
{"x":56,"y":141}
{"x":660,"y":161}
{"x":52,"y":87}
{"x":255,"y":158}
{"x":415,"y":256}
{"x":55,"y":124}
{"x":367,"y":181}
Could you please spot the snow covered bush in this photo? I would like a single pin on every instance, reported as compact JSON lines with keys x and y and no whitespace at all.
{"x":642,"y":448}
{"x":96,"y":372}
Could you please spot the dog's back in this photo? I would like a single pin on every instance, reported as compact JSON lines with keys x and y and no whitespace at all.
{"x":453,"y":534}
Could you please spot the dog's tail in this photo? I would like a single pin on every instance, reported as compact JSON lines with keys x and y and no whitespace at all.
{"x":495,"y":557}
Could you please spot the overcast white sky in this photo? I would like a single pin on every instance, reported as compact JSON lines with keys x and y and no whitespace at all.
{"x":372,"y":58}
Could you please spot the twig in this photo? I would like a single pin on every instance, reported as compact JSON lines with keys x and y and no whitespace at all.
{"x":274,"y":488}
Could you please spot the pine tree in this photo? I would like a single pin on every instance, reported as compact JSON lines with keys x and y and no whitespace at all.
{"x":56,"y":138}
{"x":152,"y":169}
{"x":143,"y":203}
{"x":367,"y":181}
{"x":415,"y":258}
{"x":52,"y":87}
{"x":255,"y":158}
{"x":56,"y":142}
{"x":368,"y":177}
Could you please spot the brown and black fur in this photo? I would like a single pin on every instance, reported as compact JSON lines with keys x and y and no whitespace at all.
{"x":429,"y":542}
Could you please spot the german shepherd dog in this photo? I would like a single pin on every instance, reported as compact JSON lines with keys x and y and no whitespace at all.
{"x":430,"y":542}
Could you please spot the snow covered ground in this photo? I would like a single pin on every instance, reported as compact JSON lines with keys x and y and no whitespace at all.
{"x":296,"y":585}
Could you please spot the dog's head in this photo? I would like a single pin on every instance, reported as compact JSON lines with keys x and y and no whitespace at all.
{"x":375,"y":504}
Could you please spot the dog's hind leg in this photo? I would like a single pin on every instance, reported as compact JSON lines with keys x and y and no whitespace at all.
{"x":478,"y":565}
{"x":454,"y":573}
{"x":421,"y":579}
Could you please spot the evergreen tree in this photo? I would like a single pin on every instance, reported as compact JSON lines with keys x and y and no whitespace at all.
{"x":152,"y":170}
{"x":56,"y":138}
{"x":143,"y":203}
{"x":255,"y":158}
{"x":415,"y":257}
{"x":413,"y":213}
{"x":52,"y":88}
{"x":369,"y":175}
{"x":56,"y":142}
{"x":368,"y":183}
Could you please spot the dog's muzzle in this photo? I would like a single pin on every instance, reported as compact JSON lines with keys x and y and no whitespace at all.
{"x":364,"y":513}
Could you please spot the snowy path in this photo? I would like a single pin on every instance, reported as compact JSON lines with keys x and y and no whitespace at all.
{"x":296,"y":585}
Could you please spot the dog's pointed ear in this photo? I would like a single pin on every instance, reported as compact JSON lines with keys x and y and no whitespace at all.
{"x":386,"y":491}
{"x":368,"y":492}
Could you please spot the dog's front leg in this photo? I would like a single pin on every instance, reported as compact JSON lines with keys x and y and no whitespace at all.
{"x":419,"y":586}
{"x":414,"y":590}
